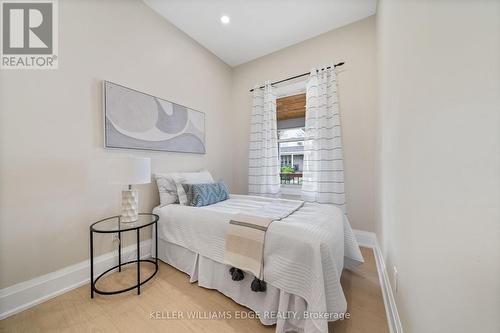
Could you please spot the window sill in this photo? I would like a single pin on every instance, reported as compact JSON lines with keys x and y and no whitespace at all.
{"x":291,"y":191}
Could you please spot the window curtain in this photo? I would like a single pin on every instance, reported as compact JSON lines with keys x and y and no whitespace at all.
{"x":323,"y":171}
{"x":263,"y":159}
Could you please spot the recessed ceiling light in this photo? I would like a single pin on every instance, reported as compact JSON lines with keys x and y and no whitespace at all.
{"x":225,"y":19}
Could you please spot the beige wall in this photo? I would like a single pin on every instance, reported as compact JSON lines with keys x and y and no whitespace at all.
{"x":52,"y":160}
{"x":440,"y":161}
{"x":355,"y":44}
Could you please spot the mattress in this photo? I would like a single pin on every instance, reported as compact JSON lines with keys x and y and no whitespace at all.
{"x":304,"y":253}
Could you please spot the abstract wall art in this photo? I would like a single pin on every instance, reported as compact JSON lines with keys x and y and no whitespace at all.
{"x":135,"y":120}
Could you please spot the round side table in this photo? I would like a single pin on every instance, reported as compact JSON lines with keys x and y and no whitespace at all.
{"x":113,"y":225}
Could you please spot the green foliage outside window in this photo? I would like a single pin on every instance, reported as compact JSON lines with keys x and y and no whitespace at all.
{"x":287,"y":169}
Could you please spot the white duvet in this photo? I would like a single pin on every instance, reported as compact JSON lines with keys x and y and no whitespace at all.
{"x":304,"y":253}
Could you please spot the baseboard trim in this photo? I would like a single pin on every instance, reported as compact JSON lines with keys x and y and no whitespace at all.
{"x":365,"y":238}
{"x":369,"y":239}
{"x":25,"y":295}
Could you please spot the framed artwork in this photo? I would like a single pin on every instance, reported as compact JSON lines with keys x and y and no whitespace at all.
{"x":136,"y":120}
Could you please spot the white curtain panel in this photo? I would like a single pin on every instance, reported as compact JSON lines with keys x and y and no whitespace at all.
{"x":263,"y":159}
{"x":323,"y":170}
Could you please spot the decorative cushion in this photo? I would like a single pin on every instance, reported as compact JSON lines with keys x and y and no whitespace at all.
{"x":166,"y":189}
{"x":208,"y":194}
{"x":188,"y":190}
{"x":181,"y":193}
{"x":202,"y":177}
{"x":167,"y":184}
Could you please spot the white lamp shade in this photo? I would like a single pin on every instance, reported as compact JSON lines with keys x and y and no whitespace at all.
{"x":130,"y":170}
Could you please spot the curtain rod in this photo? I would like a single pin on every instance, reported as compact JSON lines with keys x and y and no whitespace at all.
{"x":297,"y":76}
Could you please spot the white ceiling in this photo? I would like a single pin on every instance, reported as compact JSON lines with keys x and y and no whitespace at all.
{"x":258,"y":27}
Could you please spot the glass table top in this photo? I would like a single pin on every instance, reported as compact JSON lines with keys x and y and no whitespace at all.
{"x":114,"y":224}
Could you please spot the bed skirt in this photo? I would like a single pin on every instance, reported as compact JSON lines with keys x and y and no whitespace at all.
{"x":273,"y":306}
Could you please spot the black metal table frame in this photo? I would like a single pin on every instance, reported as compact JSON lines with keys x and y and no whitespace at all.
{"x":120,"y":264}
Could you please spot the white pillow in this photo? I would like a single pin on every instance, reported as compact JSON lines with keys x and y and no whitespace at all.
{"x":181,"y":193}
{"x":202,"y":177}
{"x":167,"y":187}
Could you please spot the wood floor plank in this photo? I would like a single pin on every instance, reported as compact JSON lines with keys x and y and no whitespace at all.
{"x":171,"y":292}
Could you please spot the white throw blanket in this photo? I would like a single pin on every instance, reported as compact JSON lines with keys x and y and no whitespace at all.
{"x":304,"y":253}
{"x":246,"y":235}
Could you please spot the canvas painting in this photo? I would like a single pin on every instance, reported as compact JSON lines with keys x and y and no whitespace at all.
{"x":135,"y":120}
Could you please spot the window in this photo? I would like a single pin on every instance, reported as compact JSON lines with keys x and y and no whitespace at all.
{"x":291,"y":112}
{"x":291,"y":152}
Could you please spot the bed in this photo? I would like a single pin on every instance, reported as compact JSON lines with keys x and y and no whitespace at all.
{"x":304,"y":256}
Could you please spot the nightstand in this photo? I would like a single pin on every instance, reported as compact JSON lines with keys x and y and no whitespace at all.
{"x":114,"y":225}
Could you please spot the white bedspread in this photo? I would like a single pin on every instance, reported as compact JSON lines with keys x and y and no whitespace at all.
{"x":304,"y":253}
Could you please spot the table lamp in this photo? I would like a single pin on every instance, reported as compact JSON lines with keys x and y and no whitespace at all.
{"x":130,"y":171}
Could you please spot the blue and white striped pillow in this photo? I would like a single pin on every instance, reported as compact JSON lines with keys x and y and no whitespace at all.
{"x":208,"y":194}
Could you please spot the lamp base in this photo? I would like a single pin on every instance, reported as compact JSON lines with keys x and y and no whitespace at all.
{"x":130,"y":206}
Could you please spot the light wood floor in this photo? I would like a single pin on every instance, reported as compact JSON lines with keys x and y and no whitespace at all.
{"x":170,"y":292}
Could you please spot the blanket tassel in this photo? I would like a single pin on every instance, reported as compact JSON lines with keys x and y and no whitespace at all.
{"x":258,"y":285}
{"x":236,"y":274}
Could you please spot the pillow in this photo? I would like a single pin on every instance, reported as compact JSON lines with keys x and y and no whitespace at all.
{"x":202,"y":177}
{"x":166,"y":189}
{"x":181,"y":193}
{"x":188,"y":191}
{"x":208,"y":194}
{"x":167,"y":185}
